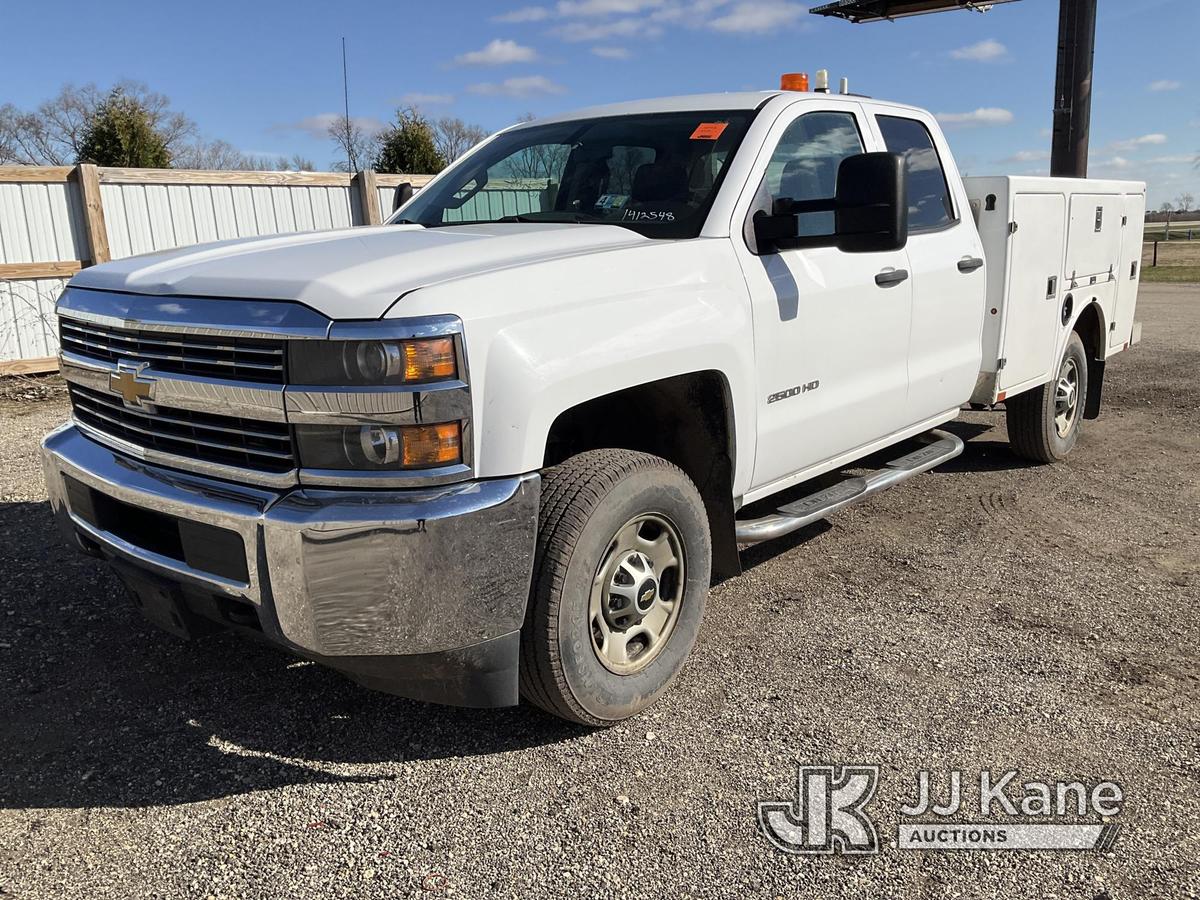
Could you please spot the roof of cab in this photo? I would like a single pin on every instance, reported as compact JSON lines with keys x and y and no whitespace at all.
{"x":748,"y":100}
{"x":685,"y":103}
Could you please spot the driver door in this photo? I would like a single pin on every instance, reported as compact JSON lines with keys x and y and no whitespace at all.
{"x":831,"y":339}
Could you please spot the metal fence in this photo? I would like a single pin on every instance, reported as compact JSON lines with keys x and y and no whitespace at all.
{"x":56,"y":220}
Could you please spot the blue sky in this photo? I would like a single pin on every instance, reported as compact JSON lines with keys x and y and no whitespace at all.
{"x":265,"y":75}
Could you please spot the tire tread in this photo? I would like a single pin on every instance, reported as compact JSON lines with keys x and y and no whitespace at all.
{"x":1026,"y":417}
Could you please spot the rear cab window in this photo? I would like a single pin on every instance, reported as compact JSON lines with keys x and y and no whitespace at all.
{"x":930,"y":206}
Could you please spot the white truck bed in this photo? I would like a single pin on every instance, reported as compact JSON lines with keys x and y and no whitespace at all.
{"x":1047,"y":240}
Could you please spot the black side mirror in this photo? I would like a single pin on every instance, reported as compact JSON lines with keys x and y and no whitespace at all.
{"x":870,"y":210}
{"x":404,"y":193}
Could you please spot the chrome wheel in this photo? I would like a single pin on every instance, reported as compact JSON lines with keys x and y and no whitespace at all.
{"x":637,"y":593}
{"x":1066,"y":397}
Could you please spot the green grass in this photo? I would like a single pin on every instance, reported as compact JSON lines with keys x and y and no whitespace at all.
{"x":1190,"y":220}
{"x":1181,"y":234}
{"x":1171,"y":274}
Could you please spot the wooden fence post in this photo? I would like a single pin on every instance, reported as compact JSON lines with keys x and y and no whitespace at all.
{"x":368,"y":197}
{"x":93,"y":214}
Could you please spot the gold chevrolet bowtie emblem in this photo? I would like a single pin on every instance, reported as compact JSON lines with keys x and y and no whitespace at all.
{"x":129,"y":382}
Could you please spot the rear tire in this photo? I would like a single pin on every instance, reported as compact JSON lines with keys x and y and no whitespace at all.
{"x":1043,"y":423}
{"x":620,"y":577}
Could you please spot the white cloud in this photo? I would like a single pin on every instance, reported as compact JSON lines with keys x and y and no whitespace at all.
{"x":1146,"y":140}
{"x":605,"y":7}
{"x":985,"y":115}
{"x":1171,"y":160}
{"x":591,"y":21}
{"x":1164,"y":84}
{"x":599,"y":31}
{"x":498,"y":53}
{"x":318,"y":126}
{"x":1026,"y":156}
{"x":692,"y":13}
{"x":757,"y":17}
{"x":525,"y":86}
{"x":611,"y":52}
{"x":984,"y":51}
{"x":417,"y":98}
{"x":606,"y":20}
{"x":523,"y":14}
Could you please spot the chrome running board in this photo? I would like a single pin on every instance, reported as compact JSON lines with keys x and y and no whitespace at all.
{"x":941,"y":446}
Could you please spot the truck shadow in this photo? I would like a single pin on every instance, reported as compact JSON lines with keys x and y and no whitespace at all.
{"x":102,"y":709}
{"x":983,"y":452}
{"x":979,"y":455}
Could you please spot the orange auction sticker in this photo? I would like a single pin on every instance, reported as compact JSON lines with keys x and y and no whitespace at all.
{"x":708,"y":131}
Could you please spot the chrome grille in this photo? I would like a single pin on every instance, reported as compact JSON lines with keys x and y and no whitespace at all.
{"x":234,"y":358}
{"x":200,"y":384}
{"x":226,"y":440}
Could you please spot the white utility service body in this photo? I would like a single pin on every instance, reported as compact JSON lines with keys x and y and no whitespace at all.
{"x":1046,"y":240}
{"x":699,"y":301}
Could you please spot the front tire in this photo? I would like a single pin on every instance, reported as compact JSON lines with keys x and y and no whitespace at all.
{"x":1043,"y":423}
{"x":620,"y":577}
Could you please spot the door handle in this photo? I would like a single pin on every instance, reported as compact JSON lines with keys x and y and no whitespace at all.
{"x":969,"y":263}
{"x":890,"y":277}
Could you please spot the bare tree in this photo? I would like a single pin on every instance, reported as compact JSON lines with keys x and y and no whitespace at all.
{"x":294,"y":163}
{"x":355,"y":144}
{"x":453,"y":137}
{"x":538,"y":161}
{"x":301,"y":163}
{"x":1168,"y":208}
{"x":1185,"y":202}
{"x":53,"y":133}
{"x":201,"y":154}
{"x":8,"y":132}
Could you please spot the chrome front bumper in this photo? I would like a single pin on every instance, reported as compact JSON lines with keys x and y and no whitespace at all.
{"x":332,"y":573}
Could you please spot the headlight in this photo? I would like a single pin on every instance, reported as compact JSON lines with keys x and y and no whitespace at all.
{"x":379,"y":447}
{"x":380,"y":362}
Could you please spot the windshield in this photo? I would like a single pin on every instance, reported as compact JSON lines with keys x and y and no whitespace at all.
{"x":656,"y":174}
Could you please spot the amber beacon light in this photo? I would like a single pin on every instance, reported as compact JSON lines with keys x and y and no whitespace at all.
{"x":794,"y":81}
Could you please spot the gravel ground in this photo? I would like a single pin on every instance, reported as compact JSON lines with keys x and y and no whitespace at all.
{"x":988,"y":614}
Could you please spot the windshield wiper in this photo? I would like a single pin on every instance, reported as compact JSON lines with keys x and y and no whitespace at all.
{"x":405,"y":222}
{"x":574,"y":218}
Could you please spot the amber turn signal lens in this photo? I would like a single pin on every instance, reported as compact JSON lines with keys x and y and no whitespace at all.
{"x":429,"y":360}
{"x":432,"y":445}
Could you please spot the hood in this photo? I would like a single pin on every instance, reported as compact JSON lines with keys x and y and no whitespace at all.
{"x":354,"y":273}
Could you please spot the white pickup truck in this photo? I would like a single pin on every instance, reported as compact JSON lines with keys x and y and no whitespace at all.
{"x":500,"y":445}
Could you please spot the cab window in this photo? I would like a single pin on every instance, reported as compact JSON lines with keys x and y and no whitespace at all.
{"x":805,"y":164}
{"x":929,"y":203}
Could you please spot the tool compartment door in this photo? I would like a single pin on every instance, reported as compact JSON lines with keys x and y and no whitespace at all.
{"x":1032,"y":304}
{"x":1094,"y":238}
{"x":1129,"y":270}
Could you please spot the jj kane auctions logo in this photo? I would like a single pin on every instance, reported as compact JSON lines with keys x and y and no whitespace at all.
{"x":829,"y":813}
